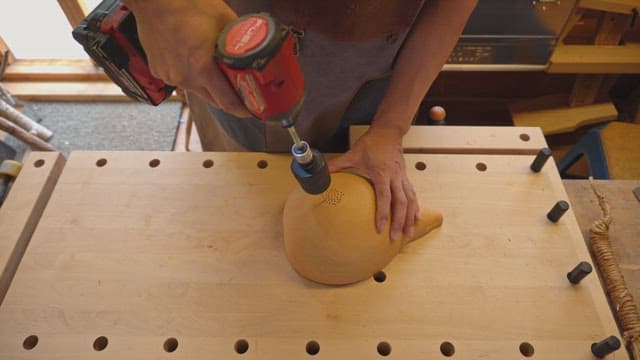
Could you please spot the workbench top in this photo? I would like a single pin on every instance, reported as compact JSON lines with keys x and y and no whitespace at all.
{"x":157,"y":255}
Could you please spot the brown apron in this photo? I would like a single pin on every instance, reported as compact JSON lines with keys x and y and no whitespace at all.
{"x":346,"y":54}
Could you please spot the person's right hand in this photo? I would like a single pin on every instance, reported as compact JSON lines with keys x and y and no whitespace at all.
{"x":179,"y":38}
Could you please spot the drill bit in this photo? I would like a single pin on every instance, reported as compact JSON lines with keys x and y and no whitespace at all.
{"x":296,"y":138}
{"x":300,"y":150}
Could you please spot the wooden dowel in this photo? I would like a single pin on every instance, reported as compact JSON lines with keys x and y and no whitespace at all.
{"x":7,"y":111}
{"x":33,"y":141}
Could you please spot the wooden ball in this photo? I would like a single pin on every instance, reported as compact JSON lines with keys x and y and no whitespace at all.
{"x":437,"y":113}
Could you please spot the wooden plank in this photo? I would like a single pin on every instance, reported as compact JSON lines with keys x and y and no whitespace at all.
{"x":595,"y":59}
{"x":611,"y":28}
{"x":53,"y":69}
{"x":27,"y":137}
{"x":538,"y":103}
{"x":68,"y":91}
{"x":22,"y":209}
{"x":141,"y":255}
{"x":618,"y":6}
{"x":621,"y":146}
{"x":565,"y":119}
{"x":74,"y":10}
{"x":586,"y":89}
{"x":624,"y":232}
{"x":574,"y":18}
{"x":588,"y":86}
{"x":466,"y":139}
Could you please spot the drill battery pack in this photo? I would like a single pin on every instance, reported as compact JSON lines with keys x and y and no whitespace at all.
{"x":110,"y":36}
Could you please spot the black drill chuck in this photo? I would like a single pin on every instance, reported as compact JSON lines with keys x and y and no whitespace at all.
{"x":313,"y":175}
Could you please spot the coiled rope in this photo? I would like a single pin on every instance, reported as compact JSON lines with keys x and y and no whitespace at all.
{"x":622,"y":300}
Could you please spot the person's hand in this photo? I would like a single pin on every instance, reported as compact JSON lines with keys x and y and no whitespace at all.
{"x":378,"y":153}
{"x":179,"y":38}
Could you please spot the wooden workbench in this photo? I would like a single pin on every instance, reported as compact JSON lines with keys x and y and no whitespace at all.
{"x":153,"y":255}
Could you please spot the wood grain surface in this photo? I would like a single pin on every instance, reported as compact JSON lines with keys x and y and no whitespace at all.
{"x":466,"y":139}
{"x":22,"y":209}
{"x":134,"y":261}
{"x":621,"y":148}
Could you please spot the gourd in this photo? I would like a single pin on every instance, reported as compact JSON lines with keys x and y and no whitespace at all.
{"x":331,"y":238}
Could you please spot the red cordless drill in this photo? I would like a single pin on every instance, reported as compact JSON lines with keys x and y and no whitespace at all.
{"x":255,"y":52}
{"x":110,"y":36}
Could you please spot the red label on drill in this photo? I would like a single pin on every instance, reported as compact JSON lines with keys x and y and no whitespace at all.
{"x":246,"y":35}
{"x":250,"y":93}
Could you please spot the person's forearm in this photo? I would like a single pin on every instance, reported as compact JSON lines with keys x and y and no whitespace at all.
{"x":425,"y":51}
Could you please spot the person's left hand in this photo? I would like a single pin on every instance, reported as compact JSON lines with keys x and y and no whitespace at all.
{"x":378,"y":154}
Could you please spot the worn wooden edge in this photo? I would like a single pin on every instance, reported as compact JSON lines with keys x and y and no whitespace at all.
{"x":565,"y":119}
{"x":595,"y":59}
{"x":499,"y":140}
{"x":23,"y":208}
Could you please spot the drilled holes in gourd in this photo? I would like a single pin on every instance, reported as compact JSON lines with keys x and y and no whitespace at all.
{"x":101,"y":162}
{"x":30,"y":342}
{"x":526,"y":349}
{"x":380,"y":276}
{"x":421,"y":166}
{"x":525,"y":137}
{"x":154,"y":163}
{"x":241,"y":346}
{"x":312,"y":348}
{"x":38,"y":163}
{"x":332,"y":196}
{"x":170,"y":345}
{"x":262,"y":164}
{"x":384,"y":348}
{"x":481,"y":166}
{"x":100,"y":343}
{"x":207,"y":164}
{"x":447,"y":349}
